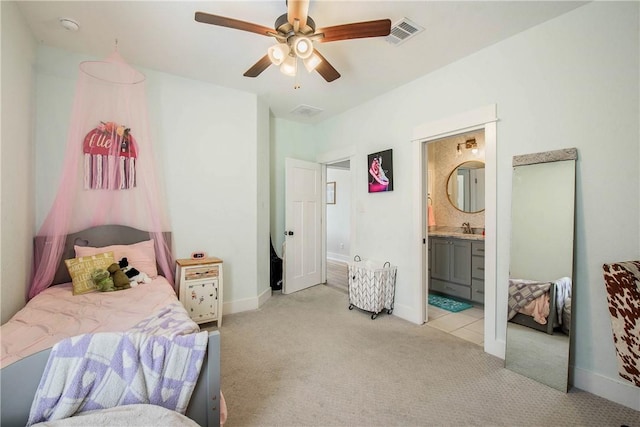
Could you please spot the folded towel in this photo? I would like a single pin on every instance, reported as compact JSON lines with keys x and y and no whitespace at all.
{"x":104,"y":370}
{"x":432,"y":218}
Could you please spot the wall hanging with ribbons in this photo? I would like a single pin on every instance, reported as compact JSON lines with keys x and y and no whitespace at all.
{"x":110,"y":154}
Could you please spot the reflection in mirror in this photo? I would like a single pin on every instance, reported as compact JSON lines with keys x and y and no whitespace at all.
{"x":541,"y":266}
{"x":465,"y":187}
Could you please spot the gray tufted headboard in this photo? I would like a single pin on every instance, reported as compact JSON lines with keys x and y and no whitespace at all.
{"x":103,"y":235}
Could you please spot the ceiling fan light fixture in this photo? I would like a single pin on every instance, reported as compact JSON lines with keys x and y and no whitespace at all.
{"x":311,"y":62}
{"x":277,"y":53}
{"x":302,"y":47}
{"x":289,"y":66}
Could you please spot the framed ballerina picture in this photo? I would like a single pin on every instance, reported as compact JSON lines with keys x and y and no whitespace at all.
{"x":380,"y":171}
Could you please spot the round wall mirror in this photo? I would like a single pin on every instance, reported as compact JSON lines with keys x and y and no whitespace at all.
{"x":465,"y":187}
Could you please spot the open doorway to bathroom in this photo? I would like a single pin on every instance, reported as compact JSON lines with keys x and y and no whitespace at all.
{"x":338,"y":217}
{"x":454,"y":211}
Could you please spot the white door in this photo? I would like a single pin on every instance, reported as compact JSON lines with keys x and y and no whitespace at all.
{"x":303,"y":239}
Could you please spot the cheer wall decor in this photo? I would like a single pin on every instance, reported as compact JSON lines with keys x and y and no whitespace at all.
{"x":110,"y":154}
{"x":380,"y":171}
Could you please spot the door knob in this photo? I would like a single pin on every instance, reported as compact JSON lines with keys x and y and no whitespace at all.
{"x":288,"y":233}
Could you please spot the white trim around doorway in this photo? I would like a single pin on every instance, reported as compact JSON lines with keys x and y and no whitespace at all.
{"x":482,"y":118}
{"x":347,"y":153}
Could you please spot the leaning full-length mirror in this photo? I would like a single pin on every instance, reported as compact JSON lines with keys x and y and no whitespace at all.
{"x":541,"y":266}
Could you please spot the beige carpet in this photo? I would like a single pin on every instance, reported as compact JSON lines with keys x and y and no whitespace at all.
{"x":305,"y":360}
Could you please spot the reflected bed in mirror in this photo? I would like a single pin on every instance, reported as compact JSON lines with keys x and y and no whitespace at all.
{"x":465,"y":187}
{"x":541,"y":267}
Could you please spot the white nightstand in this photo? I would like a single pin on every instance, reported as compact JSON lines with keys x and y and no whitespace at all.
{"x":200,"y":283}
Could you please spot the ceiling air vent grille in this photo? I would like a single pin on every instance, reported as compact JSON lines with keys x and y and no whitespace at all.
{"x":402,"y":31}
{"x":306,"y":110}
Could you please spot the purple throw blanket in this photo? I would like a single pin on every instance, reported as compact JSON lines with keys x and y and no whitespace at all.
{"x":156,"y":362}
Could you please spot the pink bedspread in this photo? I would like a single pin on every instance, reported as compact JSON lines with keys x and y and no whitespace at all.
{"x":56,"y":314}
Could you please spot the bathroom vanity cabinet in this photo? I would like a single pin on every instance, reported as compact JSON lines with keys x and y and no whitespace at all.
{"x":477,"y":272}
{"x":457,"y":267}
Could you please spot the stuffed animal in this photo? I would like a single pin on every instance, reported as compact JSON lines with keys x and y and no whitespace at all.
{"x":142,"y":277}
{"x":134,"y":275}
{"x":102,"y":280}
{"x":120,"y":280}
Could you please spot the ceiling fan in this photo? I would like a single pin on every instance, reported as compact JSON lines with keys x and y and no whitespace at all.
{"x":295,"y":33}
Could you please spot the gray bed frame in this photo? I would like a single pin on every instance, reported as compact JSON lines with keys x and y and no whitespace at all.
{"x":19,"y":381}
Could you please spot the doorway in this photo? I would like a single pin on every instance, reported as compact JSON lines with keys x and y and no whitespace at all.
{"x":338,"y":223}
{"x":454,"y":176}
{"x":479,"y":118}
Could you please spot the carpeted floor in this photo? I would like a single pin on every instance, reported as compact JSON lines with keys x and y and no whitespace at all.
{"x":306,"y":360}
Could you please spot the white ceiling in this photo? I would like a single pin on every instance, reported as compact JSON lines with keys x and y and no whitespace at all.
{"x":163,"y":35}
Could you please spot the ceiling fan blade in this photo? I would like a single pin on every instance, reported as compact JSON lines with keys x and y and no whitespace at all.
{"x":258,"y":67}
{"x":222,"y":21}
{"x":325,"y":69}
{"x":297,"y":9}
{"x":357,"y":30}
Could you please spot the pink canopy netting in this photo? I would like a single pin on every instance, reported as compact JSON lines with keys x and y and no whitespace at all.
{"x":109,"y":172}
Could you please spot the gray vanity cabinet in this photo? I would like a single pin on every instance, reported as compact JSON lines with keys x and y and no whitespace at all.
{"x":451,"y":266}
{"x":477,"y":272}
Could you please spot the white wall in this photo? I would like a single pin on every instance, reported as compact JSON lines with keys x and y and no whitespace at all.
{"x":339,"y":216}
{"x":263,"y":188}
{"x":16,"y":160}
{"x":207,"y":140}
{"x":570,"y":82}
{"x":288,"y":139}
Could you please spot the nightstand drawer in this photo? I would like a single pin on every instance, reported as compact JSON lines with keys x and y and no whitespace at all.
{"x":202,"y":300}
{"x":201,"y":272}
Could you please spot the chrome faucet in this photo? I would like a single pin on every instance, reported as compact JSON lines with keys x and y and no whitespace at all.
{"x":466,"y":228}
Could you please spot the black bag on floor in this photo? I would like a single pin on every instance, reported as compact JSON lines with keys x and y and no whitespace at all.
{"x":276,"y":270}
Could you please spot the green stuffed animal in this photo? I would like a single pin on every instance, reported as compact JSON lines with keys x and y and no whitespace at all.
{"x":102,"y":280}
{"x":120,"y":280}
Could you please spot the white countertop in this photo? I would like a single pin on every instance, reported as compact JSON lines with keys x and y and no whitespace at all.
{"x":456,"y":234}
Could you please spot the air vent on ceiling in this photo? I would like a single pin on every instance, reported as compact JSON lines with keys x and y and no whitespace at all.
{"x":306,"y":110}
{"x":402,"y":31}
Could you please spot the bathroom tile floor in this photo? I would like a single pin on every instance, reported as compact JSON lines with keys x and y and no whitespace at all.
{"x":467,"y":324}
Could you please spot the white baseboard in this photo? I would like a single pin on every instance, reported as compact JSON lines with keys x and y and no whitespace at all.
{"x":338,"y":257}
{"x":407,"y":313}
{"x":495,"y":348}
{"x":246,"y":304}
{"x":614,"y":390}
{"x":264,"y":296}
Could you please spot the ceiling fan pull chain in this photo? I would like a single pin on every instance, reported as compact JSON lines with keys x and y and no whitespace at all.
{"x":296,"y":84}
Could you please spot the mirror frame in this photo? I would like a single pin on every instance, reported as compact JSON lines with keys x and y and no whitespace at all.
{"x":446,"y":186}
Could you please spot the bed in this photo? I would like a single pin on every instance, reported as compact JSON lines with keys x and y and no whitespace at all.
{"x":544,"y":306}
{"x":55,"y":315}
